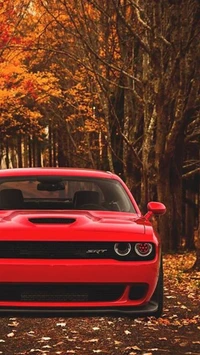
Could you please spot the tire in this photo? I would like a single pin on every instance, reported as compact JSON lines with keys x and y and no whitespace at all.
{"x":158,"y":293}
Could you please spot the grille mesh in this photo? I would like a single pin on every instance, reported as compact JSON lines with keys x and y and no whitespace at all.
{"x":64,"y":250}
{"x":56,"y":250}
{"x":61,"y":292}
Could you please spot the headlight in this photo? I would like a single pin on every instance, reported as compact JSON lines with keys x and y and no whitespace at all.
{"x":122,"y":249}
{"x":143,"y":249}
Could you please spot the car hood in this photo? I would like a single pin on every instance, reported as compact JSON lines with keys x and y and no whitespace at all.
{"x":72,"y":225}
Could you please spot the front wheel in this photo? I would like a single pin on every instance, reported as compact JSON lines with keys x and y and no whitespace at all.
{"x":158,"y":293}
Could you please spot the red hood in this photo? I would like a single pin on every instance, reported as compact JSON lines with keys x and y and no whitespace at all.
{"x":73,"y":225}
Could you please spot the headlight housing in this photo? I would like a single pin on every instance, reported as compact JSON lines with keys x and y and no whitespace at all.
{"x":122,"y":249}
{"x":143,"y":249}
{"x":130,"y":251}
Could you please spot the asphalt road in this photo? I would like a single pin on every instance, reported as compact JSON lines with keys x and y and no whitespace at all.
{"x":176,"y":333}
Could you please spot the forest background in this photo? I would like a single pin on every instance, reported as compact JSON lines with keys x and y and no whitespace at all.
{"x":112,"y":85}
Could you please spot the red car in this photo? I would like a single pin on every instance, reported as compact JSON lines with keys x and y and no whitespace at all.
{"x":74,"y":240}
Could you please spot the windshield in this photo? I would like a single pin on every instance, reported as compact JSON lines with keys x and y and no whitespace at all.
{"x":61,"y":192}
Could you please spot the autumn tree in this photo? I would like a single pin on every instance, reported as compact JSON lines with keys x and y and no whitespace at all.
{"x":144,"y":56}
{"x":23,"y":91}
{"x":126,"y":80}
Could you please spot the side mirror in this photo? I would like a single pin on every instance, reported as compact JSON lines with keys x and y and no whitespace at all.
{"x":156,"y":208}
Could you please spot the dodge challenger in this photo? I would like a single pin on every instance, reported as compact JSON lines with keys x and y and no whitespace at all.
{"x":75,"y":241}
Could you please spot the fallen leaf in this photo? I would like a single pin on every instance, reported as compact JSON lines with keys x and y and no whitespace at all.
{"x":60,"y":343}
{"x":183,"y":344}
{"x":36,"y":351}
{"x":71,"y":339}
{"x":91,"y":341}
{"x":61,"y":324}
{"x":10,"y":335}
{"x":132,"y":348}
{"x":127,"y":332}
{"x":31,"y":333}
{"x":13,"y":324}
{"x":117,"y":342}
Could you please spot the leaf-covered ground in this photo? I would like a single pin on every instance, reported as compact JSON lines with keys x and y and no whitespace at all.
{"x":176,"y":333}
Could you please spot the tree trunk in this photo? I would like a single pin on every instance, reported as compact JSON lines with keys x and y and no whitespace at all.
{"x":39,"y":156}
{"x":108,"y":135}
{"x":50,"y":144}
{"x":26,"y":150}
{"x":197,"y":263}
{"x":65,"y":145}
{"x":54,"y":143}
{"x":13,"y":157}
{"x":7,"y":156}
{"x":34,"y":150}
{"x":189,"y":216}
{"x":30,"y":151}
{"x":19,"y":150}
{"x":164,"y":195}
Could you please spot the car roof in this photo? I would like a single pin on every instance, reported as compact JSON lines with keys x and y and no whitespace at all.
{"x":58,"y":171}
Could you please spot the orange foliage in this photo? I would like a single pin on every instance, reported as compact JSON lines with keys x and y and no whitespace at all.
{"x":22,"y":90}
{"x":38,"y":74}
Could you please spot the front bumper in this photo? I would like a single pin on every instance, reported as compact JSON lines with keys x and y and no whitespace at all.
{"x":146,"y":310}
{"x":79,"y":272}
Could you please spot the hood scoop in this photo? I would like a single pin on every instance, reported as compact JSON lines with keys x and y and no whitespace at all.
{"x":52,"y":220}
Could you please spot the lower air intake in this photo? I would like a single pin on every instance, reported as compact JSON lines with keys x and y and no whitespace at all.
{"x":61,"y":292}
{"x":138,"y":291}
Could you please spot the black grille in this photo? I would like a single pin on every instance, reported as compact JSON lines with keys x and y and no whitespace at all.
{"x":61,"y":292}
{"x":55,"y":250}
{"x":64,"y":250}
